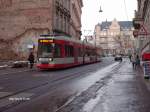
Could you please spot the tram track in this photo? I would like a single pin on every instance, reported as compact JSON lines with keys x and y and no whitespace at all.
{"x":46,"y":83}
{"x":51,"y":83}
{"x":4,"y":73}
{"x":72,"y":75}
{"x":6,"y":77}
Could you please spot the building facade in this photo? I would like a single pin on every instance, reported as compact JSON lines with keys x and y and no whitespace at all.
{"x":23,"y":21}
{"x":142,"y":21}
{"x":115,"y":37}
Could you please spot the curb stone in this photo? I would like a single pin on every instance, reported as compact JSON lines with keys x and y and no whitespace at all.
{"x":3,"y":67}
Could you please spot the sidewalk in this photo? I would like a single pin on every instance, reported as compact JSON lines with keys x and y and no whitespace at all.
{"x":146,"y":81}
{"x":4,"y":64}
{"x":126,"y":92}
{"x":7,"y":67}
{"x":15,"y":64}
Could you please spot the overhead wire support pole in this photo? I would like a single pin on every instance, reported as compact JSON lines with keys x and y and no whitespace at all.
{"x":88,"y":32}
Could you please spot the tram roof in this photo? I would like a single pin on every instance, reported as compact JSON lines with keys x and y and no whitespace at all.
{"x":61,"y":37}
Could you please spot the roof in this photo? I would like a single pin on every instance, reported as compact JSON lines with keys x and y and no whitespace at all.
{"x":123,"y":24}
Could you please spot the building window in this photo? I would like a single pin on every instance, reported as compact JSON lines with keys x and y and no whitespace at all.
{"x":68,"y":21}
{"x":112,"y":33}
{"x":62,"y":18}
{"x":104,"y":33}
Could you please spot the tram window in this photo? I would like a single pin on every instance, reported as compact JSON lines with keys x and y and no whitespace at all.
{"x":57,"y":50}
{"x":92,"y":52}
{"x":87,"y":52}
{"x":77,"y":51}
{"x":69,"y":51}
{"x":45,"y":50}
{"x":80,"y":52}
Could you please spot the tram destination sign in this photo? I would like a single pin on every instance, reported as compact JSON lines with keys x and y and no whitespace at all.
{"x":46,"y":40}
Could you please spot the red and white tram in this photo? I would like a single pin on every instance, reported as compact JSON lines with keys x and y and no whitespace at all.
{"x":62,"y":52}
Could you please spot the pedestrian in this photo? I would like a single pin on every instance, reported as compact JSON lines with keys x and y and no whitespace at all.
{"x":31,"y":59}
{"x":130,"y":56}
{"x":133,"y":60}
{"x":137,"y":61}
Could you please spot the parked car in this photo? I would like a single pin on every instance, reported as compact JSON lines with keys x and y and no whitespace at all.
{"x":118,"y":58}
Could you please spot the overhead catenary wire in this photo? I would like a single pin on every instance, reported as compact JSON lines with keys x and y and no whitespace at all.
{"x":126,"y":12}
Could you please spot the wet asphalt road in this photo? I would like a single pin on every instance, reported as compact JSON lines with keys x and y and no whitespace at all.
{"x":19,"y":87}
{"x":116,"y":85}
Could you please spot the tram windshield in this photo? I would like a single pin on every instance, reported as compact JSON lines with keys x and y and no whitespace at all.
{"x":45,"y":50}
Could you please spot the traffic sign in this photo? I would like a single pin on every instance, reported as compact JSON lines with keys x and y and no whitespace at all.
{"x":142,"y":31}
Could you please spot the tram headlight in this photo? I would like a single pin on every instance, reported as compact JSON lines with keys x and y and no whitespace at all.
{"x":40,"y":59}
{"x":45,"y":60}
{"x":50,"y":59}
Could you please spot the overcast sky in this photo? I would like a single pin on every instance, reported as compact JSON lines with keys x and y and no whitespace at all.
{"x":111,"y":9}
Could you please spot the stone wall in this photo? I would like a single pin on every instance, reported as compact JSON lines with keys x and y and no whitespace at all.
{"x":22,"y":21}
{"x":29,"y":38}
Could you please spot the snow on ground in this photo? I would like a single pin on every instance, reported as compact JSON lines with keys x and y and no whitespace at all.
{"x":88,"y":82}
{"x":89,"y":106}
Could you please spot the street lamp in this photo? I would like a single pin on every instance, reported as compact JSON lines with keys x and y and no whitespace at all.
{"x":95,"y":44}
{"x":100,"y":10}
